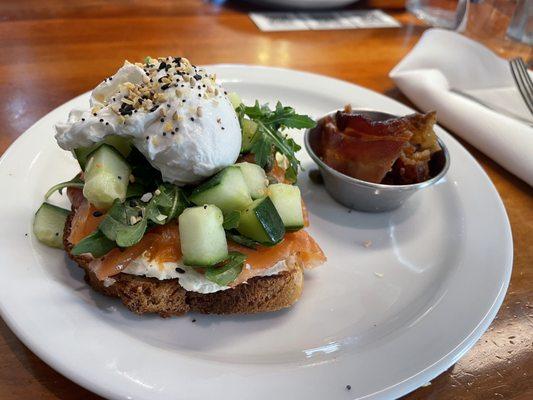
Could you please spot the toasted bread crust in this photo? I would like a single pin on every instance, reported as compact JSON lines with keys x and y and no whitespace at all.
{"x":167,"y":297}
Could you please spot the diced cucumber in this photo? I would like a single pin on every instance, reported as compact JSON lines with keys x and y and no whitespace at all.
{"x":106,"y":177}
{"x":255,"y":178}
{"x":121,"y":144}
{"x":49,"y":223}
{"x":261,"y":222}
{"x":288,"y":202}
{"x":235,"y":99}
{"x":227,"y":190}
{"x":249,"y":128}
{"x":202,"y":237}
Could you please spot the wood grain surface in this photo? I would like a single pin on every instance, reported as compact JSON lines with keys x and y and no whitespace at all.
{"x":54,"y":50}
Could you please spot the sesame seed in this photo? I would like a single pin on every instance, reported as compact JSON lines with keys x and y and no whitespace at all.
{"x":147,"y":138}
{"x":83,"y":119}
{"x":164,"y":134}
{"x":162,"y":120}
{"x":94,"y":114}
{"x":222,"y":128}
{"x":101,"y":120}
{"x":192,"y":119}
{"x":348,"y":387}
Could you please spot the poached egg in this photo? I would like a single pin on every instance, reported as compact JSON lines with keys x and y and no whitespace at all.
{"x":175,"y":113}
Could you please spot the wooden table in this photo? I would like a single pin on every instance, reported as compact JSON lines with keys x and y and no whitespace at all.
{"x":54,"y":50}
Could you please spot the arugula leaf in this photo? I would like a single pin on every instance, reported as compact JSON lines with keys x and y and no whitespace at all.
{"x":96,"y":244}
{"x":117,"y":224}
{"x":167,"y":205}
{"x":242,"y":240}
{"x":229,"y":271}
{"x":135,"y":190}
{"x":231,"y":221}
{"x":74,"y":182}
{"x":269,"y":138}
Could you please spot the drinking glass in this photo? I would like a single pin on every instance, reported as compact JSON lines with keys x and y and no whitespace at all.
{"x":447,"y":14}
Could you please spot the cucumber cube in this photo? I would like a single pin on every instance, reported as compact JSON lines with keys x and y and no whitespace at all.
{"x":49,"y":224}
{"x":106,"y":177}
{"x":261,"y":222}
{"x":227,"y":190}
{"x":288,"y":202}
{"x":202,"y":237}
{"x":255,"y":178}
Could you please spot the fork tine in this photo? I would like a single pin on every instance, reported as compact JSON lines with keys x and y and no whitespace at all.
{"x":518,"y":77}
{"x":527,"y":79}
{"x":522,"y":81}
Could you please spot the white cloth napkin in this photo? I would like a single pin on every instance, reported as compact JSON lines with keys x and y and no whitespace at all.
{"x":444,"y":60}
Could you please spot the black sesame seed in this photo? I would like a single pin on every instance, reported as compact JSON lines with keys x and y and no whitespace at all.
{"x":177,"y":60}
{"x":114,"y":99}
{"x":83,"y":119}
{"x":180,"y":270}
{"x":192,"y":119}
{"x":164,"y":134}
{"x":165,"y":86}
{"x":101,"y":120}
{"x":172,"y":133}
{"x":197,"y":77}
{"x":162,"y":65}
{"x":205,"y":206}
{"x":119,"y":178}
{"x":348,"y":387}
{"x":151,"y":80}
{"x":199,"y":94}
{"x":147,"y":138}
{"x":97,"y":213}
{"x":125,"y":109}
{"x":225,"y":92}
{"x":154,"y":108}
{"x":222,"y":128}
{"x":203,"y":85}
{"x":199,"y":87}
{"x":57,"y":233}
{"x":168,"y":105}
{"x":25,"y":234}
{"x":160,"y":79}
{"x":110,"y":78}
{"x":193,"y":320}
{"x":182,"y":85}
{"x":107,"y":123}
{"x":94,"y":114}
{"x":162,"y":120}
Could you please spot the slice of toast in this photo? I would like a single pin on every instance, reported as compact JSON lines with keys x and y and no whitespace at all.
{"x":166,"y":297}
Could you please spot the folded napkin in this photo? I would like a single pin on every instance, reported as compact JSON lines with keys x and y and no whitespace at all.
{"x":442,"y":61}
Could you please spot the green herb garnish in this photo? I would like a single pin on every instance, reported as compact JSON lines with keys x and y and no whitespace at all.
{"x":96,"y":244}
{"x":74,"y":182}
{"x":242,"y":240}
{"x":269,"y":137}
{"x":231,"y":221}
{"x":228,"y":271}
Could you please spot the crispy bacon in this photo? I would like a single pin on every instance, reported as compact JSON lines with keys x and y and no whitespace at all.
{"x":368,"y":150}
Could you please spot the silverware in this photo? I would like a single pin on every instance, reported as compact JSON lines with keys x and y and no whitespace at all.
{"x":492,"y":107}
{"x":523,"y":81}
{"x":366,"y":196}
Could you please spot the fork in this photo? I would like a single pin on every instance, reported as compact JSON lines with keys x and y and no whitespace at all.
{"x":523,"y":81}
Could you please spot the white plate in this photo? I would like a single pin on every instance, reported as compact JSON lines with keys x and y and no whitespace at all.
{"x":384,"y":319}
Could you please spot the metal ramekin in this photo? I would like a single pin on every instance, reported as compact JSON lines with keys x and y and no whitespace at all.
{"x":366,"y":196}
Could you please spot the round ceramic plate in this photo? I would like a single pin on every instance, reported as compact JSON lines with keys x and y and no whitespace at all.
{"x":403,"y":295}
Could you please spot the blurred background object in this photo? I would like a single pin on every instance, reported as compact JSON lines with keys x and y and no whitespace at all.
{"x":439,"y":13}
{"x":504,"y":26}
{"x":303,"y":4}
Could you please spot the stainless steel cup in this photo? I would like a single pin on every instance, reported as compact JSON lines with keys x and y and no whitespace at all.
{"x":366,"y":196}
